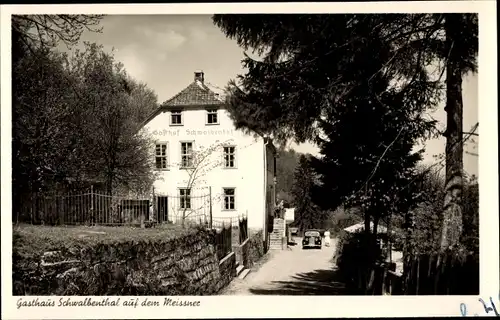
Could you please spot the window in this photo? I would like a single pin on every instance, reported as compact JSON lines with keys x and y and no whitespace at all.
{"x":161,"y":156}
{"x":229,"y":199}
{"x":186,"y":154}
{"x":176,"y":118}
{"x":185,"y":197}
{"x":230,"y":157}
{"x":212,"y":116}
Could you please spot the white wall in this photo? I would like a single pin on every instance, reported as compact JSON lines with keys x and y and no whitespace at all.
{"x":290,"y":214}
{"x":247,"y":178}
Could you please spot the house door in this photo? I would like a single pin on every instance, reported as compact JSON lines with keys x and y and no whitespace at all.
{"x":162,"y":209}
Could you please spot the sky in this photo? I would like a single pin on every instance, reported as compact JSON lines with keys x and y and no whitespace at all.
{"x":164,"y":51}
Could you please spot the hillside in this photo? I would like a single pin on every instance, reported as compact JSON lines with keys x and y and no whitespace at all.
{"x":285,"y":167}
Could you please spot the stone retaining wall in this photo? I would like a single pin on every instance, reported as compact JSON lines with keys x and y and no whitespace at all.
{"x":180,"y":266}
{"x":227,"y":271}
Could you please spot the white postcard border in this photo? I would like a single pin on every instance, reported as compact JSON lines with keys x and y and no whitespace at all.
{"x":285,"y":306}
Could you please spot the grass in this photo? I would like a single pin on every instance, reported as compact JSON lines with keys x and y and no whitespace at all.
{"x":31,"y":240}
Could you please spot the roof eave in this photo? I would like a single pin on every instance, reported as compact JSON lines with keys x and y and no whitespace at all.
{"x":200,"y":106}
{"x":165,"y":107}
{"x":151,"y":116}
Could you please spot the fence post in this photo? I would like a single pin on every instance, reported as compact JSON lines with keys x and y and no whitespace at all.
{"x":59,"y":209}
{"x":92,"y":203}
{"x":155,"y":212}
{"x":210,"y":204}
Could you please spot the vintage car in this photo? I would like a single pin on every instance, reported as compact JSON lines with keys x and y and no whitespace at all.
{"x":312,"y":239}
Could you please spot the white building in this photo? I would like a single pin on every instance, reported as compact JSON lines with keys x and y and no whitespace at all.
{"x":289,"y":215}
{"x":205,"y":166}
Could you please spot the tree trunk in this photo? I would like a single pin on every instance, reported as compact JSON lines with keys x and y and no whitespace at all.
{"x":366,"y":268}
{"x":389,"y":237}
{"x":375,"y":225}
{"x":452,"y":211}
{"x":367,"y":223}
{"x":109,"y":184}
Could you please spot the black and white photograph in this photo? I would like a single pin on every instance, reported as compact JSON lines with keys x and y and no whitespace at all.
{"x":174,"y":156}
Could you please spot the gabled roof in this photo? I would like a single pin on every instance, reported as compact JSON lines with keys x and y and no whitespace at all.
{"x":195,"y":94}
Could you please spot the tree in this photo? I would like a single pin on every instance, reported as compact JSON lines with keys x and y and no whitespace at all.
{"x":306,"y":96}
{"x":461,"y":45}
{"x":286,"y":162}
{"x":296,"y":82}
{"x":109,"y":103}
{"x":47,"y":30}
{"x":143,"y":100}
{"x":425,"y":224}
{"x":197,"y":164}
{"x":307,"y":214}
{"x":369,"y":170}
{"x":74,"y":121}
{"x":43,"y":134}
{"x":43,"y":130}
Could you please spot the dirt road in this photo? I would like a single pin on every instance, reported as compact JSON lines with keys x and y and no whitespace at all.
{"x":292,"y":272}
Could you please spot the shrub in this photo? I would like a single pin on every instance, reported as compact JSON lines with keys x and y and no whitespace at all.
{"x":470,"y":236}
{"x":256,"y":247}
{"x":428,"y":218}
{"x":356,"y":256}
{"x":398,"y":240}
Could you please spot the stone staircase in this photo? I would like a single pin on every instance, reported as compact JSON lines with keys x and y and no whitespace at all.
{"x":277,"y":238}
{"x":241,"y":272}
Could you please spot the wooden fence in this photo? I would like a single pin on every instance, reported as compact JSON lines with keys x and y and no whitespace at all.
{"x":92,"y":208}
{"x":223,"y":239}
{"x":229,"y":231}
{"x":365,"y":270}
{"x":243,"y":229}
{"x":442,"y":275}
{"x":82,"y":209}
{"x":424,"y":275}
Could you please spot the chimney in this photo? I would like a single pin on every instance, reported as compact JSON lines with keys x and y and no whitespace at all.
{"x":199,"y":76}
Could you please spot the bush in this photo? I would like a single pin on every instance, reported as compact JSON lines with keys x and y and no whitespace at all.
{"x":398,"y":240}
{"x":470,"y":237}
{"x":428,"y":217}
{"x":356,"y":256}
{"x":256,"y":247}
